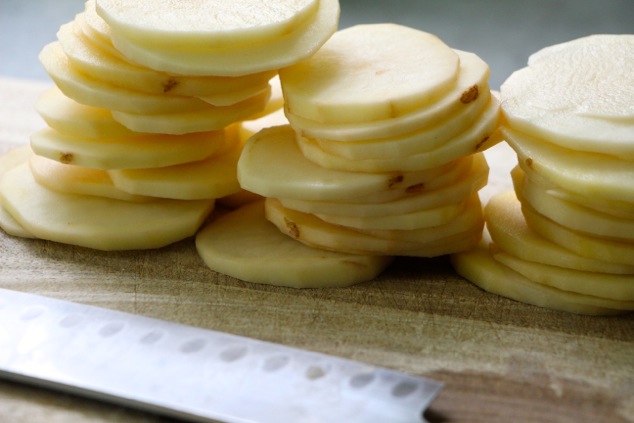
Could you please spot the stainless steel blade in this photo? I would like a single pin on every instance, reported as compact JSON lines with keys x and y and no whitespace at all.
{"x":192,"y":373}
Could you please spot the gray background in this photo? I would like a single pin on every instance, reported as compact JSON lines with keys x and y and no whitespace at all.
{"x":504,"y":33}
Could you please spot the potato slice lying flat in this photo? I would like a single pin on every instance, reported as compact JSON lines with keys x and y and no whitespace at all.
{"x":510,"y":232}
{"x":121,"y":153}
{"x":271,"y":165}
{"x":80,"y":220}
{"x":579,"y":98}
{"x":243,"y":244}
{"x":590,"y":174}
{"x":368,"y":73}
{"x":96,"y":29}
{"x":300,"y":43}
{"x":472,"y":83}
{"x":8,"y":161}
{"x":479,"y":267}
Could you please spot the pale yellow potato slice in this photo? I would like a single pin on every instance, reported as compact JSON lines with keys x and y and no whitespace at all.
{"x":91,"y":59}
{"x":9,"y":225}
{"x":96,"y":29}
{"x":510,"y":233}
{"x":234,"y":97}
{"x":248,"y":128}
{"x":8,"y":161}
{"x":479,"y":267}
{"x":206,"y":23}
{"x":211,"y":118}
{"x":126,"y":153}
{"x":603,"y":249}
{"x":368,"y":73}
{"x":570,"y":215}
{"x":271,"y":165}
{"x":314,"y":232}
{"x":458,"y":189}
{"x":71,"y":179}
{"x":68,"y":117}
{"x":470,"y":141}
{"x":602,"y":285}
{"x":98,"y":223}
{"x":578,"y":96}
{"x":590,"y":174}
{"x":214,"y":177}
{"x":93,"y":92}
{"x":244,"y":245}
{"x":277,"y":53}
{"x":472,"y":83}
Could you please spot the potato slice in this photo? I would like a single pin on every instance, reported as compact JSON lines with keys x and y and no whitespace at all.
{"x":212,"y":178}
{"x":248,"y":128}
{"x":244,"y":245}
{"x":209,"y":24}
{"x":470,"y":141}
{"x":590,"y":174}
{"x":463,"y":185}
{"x":70,"y":179}
{"x":315,"y":232}
{"x":368,"y":73}
{"x":510,"y":232}
{"x":471,"y":85}
{"x":10,"y":226}
{"x":96,"y":29}
{"x":93,"y":92}
{"x":121,"y":153}
{"x":479,"y":267}
{"x":90,"y":59}
{"x":211,"y":118}
{"x":579,"y":98}
{"x":79,"y":220}
{"x":68,"y":117}
{"x":570,"y":215}
{"x":271,"y":165}
{"x":285,"y":50}
{"x":8,"y":161}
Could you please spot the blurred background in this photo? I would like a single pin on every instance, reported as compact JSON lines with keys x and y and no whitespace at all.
{"x":503,"y":33}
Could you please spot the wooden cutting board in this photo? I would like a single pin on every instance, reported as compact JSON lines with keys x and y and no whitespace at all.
{"x":502,"y":361}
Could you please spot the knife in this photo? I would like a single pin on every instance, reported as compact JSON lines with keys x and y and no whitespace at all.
{"x":195,"y":374}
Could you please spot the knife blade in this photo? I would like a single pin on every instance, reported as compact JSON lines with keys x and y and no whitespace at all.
{"x":192,"y":373}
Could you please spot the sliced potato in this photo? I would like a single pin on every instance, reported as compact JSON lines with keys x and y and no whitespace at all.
{"x":296,"y":45}
{"x":243,"y":244}
{"x":10,"y":226}
{"x":8,"y":161}
{"x":124,"y":153}
{"x":271,"y":165}
{"x":579,"y":98}
{"x":472,"y":83}
{"x":369,"y":73}
{"x":468,"y":142}
{"x":79,"y":220}
{"x":96,"y":29}
{"x":248,"y":128}
{"x":510,"y":233}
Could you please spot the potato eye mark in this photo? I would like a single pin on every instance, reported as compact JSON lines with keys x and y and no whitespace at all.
{"x":470,"y":95}
{"x":529,"y":162}
{"x":170,"y":84}
{"x":481,"y":143}
{"x":293,"y":229}
{"x":66,"y":158}
{"x":395,"y":180}
{"x":414,"y":189}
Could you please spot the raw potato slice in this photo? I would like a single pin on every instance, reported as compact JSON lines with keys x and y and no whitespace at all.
{"x":9,"y":225}
{"x":125,"y":153}
{"x":234,"y":97}
{"x":68,"y":117}
{"x":470,"y":141}
{"x":479,"y":267}
{"x":590,"y":174}
{"x":244,"y":245}
{"x":70,"y":179}
{"x":271,"y":165}
{"x":314,"y":232}
{"x":278,"y":53}
{"x":368,"y":73}
{"x":579,"y":98}
{"x":210,"y":118}
{"x":570,"y":215}
{"x":601,"y":285}
{"x":248,"y":128}
{"x":511,"y":234}
{"x":205,"y":23}
{"x":96,"y":29}
{"x":79,"y":220}
{"x":462,"y":187}
{"x":214,"y":177}
{"x":472,"y":84}
{"x":8,"y":161}
{"x":93,"y":92}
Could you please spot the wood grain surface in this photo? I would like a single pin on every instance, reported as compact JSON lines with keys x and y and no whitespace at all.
{"x":502,"y":361}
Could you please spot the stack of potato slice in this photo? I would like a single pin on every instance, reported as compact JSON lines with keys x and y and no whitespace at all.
{"x":564,"y":238}
{"x":143,"y":132}
{"x":383,"y":152}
